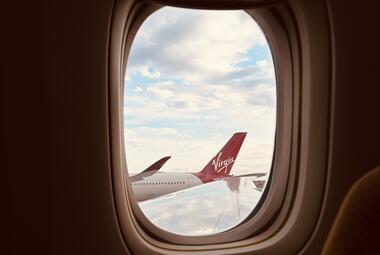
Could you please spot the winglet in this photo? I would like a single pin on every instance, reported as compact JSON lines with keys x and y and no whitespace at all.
{"x":151,"y":170}
{"x":222,"y":163}
{"x":157,"y":165}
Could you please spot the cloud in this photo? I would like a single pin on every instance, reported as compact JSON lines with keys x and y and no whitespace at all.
{"x":165,"y":101}
{"x":138,"y":89}
{"x":144,"y":145}
{"x":262,"y":72}
{"x":194,"y":45}
{"x":194,"y":80}
{"x":147,"y":72}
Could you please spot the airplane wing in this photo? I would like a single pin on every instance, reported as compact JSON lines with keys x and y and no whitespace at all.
{"x":205,"y":209}
{"x":258,"y":181}
{"x":252,"y":174}
{"x":151,"y":170}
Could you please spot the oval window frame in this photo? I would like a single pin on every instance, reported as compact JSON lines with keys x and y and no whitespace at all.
{"x":278,"y":17}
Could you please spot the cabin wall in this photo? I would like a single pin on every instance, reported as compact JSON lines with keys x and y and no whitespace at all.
{"x":54,"y":128}
{"x":355,"y":136}
{"x":53,"y":97}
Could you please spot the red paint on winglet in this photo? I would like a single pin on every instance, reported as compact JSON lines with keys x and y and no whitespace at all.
{"x":157,"y":165}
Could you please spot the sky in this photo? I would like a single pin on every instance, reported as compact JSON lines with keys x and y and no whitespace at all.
{"x":195,"y":77}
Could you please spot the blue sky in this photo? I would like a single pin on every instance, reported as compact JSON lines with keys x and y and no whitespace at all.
{"x":193,"y":78}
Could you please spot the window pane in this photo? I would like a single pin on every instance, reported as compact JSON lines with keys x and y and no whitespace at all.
{"x":199,"y":110}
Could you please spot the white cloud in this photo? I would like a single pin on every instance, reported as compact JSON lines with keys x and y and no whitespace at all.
{"x":144,"y":71}
{"x":168,"y":101}
{"x":138,"y":89}
{"x":194,"y":46}
{"x":144,"y":145}
{"x":199,"y":95}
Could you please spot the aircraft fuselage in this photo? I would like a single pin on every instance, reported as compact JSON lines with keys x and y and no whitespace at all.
{"x":163,"y":183}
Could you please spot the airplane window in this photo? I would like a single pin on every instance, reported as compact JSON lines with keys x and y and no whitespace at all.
{"x":199,"y":106}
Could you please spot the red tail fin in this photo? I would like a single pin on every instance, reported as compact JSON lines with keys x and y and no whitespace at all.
{"x":223,"y":161}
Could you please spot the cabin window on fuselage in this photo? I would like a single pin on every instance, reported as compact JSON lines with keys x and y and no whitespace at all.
{"x":200,"y":101}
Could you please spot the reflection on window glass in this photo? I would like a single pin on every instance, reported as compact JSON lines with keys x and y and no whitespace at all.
{"x":199,"y":118}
